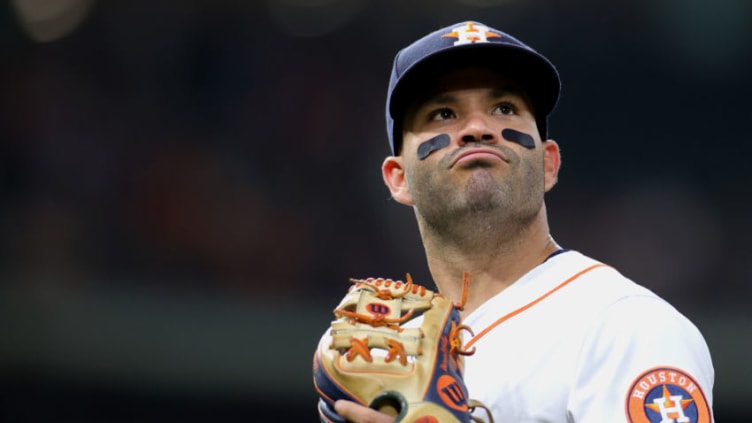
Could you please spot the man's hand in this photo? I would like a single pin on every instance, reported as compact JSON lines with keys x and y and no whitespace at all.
{"x":357,"y":413}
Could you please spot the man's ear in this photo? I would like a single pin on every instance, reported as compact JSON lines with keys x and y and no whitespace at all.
{"x":393,"y":172}
{"x":551,"y":163}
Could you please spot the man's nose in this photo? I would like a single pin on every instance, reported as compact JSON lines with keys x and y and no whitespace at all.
{"x":476,"y":128}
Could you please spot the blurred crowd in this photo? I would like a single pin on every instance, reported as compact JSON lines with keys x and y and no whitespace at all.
{"x":234,"y":150}
{"x":185,"y":151}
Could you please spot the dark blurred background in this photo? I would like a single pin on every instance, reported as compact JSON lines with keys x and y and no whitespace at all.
{"x":186,"y":186}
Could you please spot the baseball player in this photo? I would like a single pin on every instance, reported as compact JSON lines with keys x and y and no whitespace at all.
{"x":558,"y":336}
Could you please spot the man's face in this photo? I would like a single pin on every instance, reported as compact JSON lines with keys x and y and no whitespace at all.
{"x":470,"y":146}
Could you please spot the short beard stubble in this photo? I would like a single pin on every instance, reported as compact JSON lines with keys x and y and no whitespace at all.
{"x":488,"y":206}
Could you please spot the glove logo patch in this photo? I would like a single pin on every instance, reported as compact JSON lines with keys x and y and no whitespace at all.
{"x":379,"y":309}
{"x":451,"y":393}
{"x":666,"y":395}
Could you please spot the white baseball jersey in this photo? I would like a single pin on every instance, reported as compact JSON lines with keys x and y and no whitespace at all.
{"x":573,"y":340}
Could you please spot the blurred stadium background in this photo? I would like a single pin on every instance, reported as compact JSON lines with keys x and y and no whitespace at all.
{"x":187,"y":186}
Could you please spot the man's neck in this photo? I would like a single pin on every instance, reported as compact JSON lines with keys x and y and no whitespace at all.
{"x":495,"y":262}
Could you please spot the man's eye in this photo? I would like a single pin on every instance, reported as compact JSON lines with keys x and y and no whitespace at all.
{"x":441,"y":114}
{"x":505,"y":109}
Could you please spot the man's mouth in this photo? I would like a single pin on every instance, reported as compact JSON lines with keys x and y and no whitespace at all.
{"x":476,"y":154}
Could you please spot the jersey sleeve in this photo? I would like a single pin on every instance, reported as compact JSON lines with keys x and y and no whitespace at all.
{"x":642,"y":361}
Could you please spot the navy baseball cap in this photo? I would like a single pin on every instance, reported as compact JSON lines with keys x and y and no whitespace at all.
{"x":468,"y":44}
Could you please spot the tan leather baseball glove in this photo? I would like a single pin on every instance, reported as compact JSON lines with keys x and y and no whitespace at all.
{"x":396,"y":347}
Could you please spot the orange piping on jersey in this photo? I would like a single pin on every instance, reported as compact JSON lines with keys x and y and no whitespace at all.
{"x":506,"y":317}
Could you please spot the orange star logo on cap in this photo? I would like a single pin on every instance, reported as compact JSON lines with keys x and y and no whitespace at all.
{"x":471,"y":33}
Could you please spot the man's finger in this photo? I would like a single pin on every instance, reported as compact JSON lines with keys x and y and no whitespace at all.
{"x":357,"y":413}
